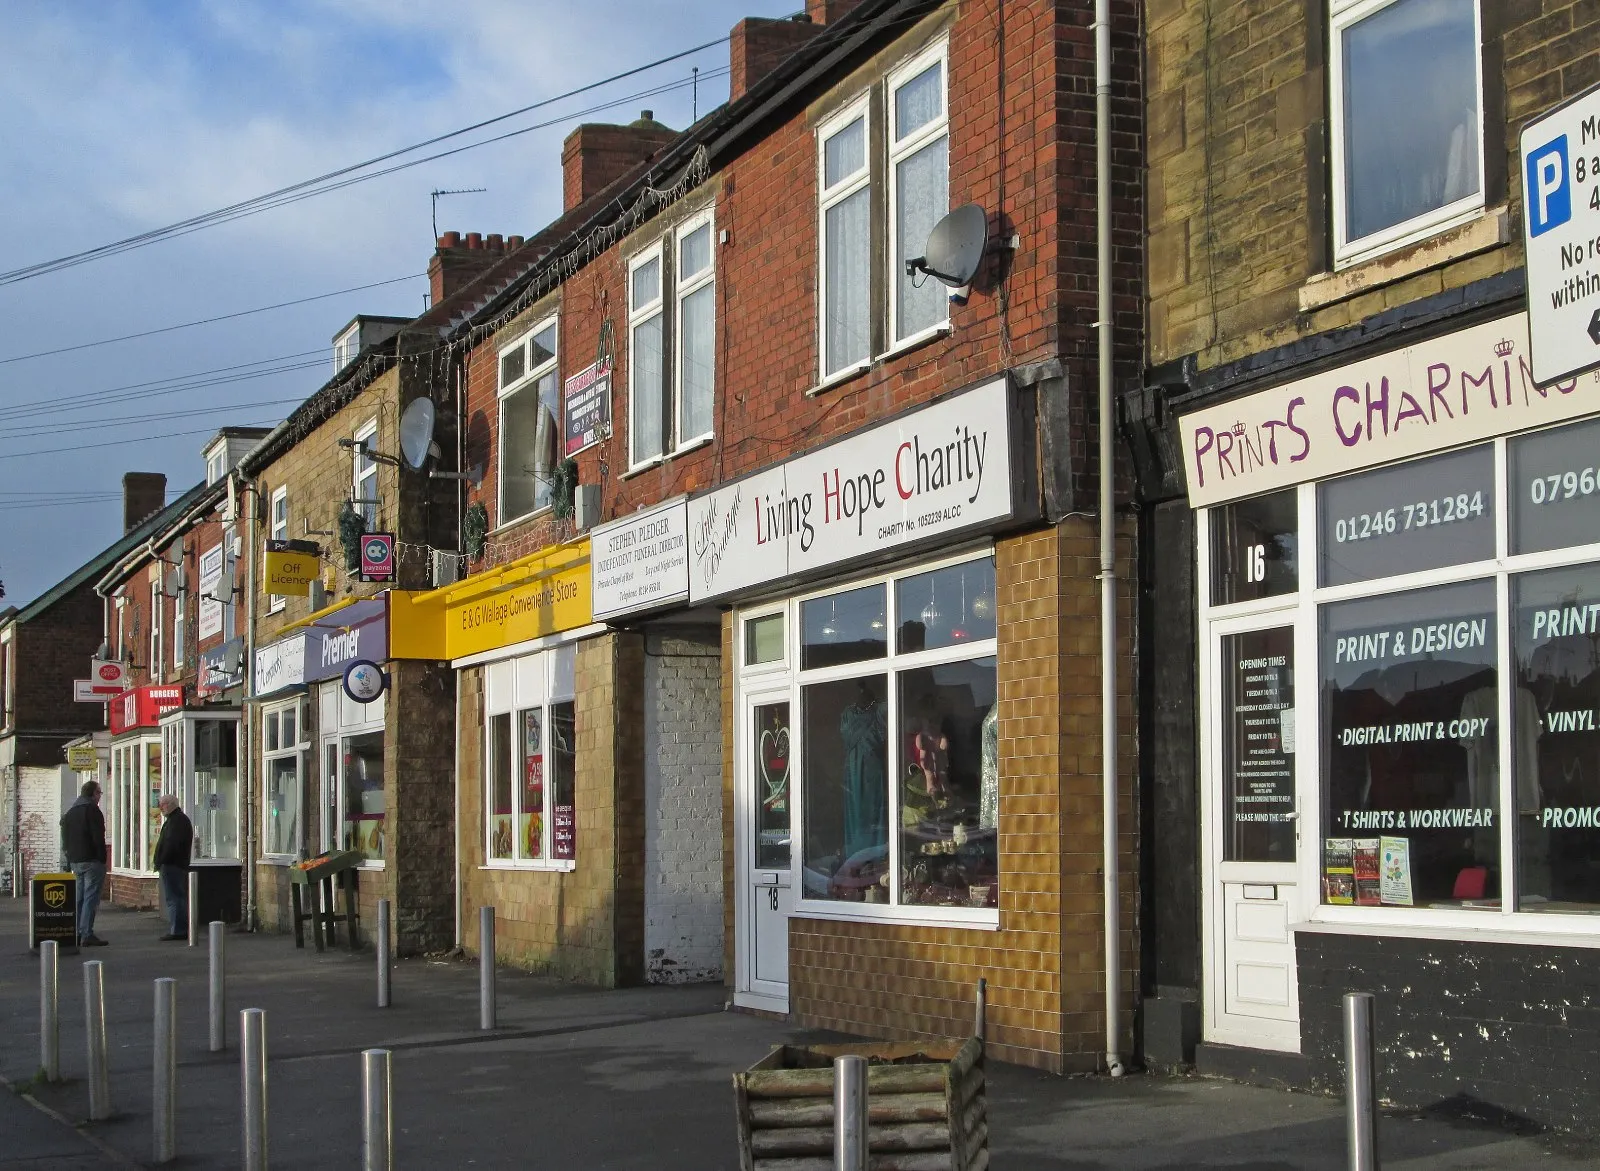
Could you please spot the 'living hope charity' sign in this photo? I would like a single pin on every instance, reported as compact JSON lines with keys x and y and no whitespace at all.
{"x":931,"y":473}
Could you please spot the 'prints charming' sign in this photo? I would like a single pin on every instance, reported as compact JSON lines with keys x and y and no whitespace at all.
{"x":932,"y":473}
{"x":641,"y":561}
{"x":1464,"y":387}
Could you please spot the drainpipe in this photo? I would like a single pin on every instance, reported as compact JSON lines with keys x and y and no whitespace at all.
{"x":247,"y":790}
{"x":1108,"y":543}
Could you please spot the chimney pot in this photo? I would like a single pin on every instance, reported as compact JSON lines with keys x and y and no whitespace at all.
{"x":648,"y":115}
{"x":496,"y":241}
{"x":474,"y":239}
{"x":450,"y":240}
{"x":514,"y":242}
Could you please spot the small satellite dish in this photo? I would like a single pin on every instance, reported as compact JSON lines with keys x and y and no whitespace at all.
{"x":416,"y":433}
{"x":955,"y":249}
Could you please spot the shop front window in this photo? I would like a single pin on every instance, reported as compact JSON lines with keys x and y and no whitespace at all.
{"x":135,"y":789}
{"x":361,"y":803}
{"x":1255,"y":549}
{"x":531,"y":762}
{"x":899,"y":763}
{"x":282,"y":828}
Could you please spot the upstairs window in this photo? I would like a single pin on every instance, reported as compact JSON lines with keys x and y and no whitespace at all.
{"x":346,"y":346}
{"x":364,"y":479}
{"x":157,"y":659}
{"x":216,"y":464}
{"x":672,"y":371}
{"x":1407,"y":120}
{"x":278,"y":530}
{"x":846,"y":243}
{"x":919,"y":189}
{"x":530,"y":413}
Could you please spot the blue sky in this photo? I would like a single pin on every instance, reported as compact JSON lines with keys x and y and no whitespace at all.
{"x":123,"y":117}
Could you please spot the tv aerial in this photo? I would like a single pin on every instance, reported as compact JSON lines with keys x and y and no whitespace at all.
{"x":955,"y":249}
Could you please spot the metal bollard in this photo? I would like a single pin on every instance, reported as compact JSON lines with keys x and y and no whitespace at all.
{"x":219,"y":988}
{"x":194,"y":908}
{"x":164,"y":1081}
{"x":1360,"y":1090}
{"x":253,"y":1076}
{"x":50,"y":1010}
{"x":850,"y":1113}
{"x":486,"y":968}
{"x":377,"y":1130}
{"x":94,"y":1019}
{"x":980,"y":1025}
{"x":383,"y":953}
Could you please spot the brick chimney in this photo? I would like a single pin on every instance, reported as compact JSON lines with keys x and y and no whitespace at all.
{"x":758,"y":44}
{"x":596,"y":155}
{"x":458,"y":260}
{"x":830,"y":11}
{"x":143,"y":494}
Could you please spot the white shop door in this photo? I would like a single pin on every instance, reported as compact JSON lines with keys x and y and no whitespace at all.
{"x":765,"y":890}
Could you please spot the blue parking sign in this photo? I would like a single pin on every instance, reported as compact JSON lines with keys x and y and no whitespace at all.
{"x":1548,"y":193}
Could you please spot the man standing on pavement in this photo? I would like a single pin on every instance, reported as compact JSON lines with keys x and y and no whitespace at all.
{"x":172,"y":861}
{"x":83,"y":837}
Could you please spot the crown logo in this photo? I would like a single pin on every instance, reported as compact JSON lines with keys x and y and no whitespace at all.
{"x":1238,"y":428}
{"x":1504,"y":346}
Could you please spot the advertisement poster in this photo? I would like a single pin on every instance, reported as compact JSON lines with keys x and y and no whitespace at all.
{"x":588,"y":407}
{"x":1366,"y":872}
{"x":1395,"y":874}
{"x":1338,"y":872}
{"x":563,"y":833}
{"x":210,"y":607}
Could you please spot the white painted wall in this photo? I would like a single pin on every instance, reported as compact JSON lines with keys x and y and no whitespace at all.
{"x":683,"y":810}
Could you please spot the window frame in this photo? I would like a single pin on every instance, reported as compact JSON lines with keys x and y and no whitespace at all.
{"x":527,"y":380}
{"x":641,"y":315}
{"x":1302,"y":611}
{"x":364,"y":468}
{"x":335,"y":731}
{"x":1343,"y":15}
{"x":296,"y":751}
{"x":827,"y":199}
{"x":130,"y":827}
{"x":896,"y":152}
{"x":682,"y":288}
{"x":179,"y":618}
{"x":279,"y":496}
{"x":535,"y":682}
{"x":158,"y":649}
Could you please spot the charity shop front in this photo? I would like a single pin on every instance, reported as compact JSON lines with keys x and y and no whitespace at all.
{"x":1398,"y":569}
{"x":911,"y":733}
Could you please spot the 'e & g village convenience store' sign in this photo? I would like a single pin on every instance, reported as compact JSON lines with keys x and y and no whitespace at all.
{"x":1462,"y":388}
{"x":934,"y":472}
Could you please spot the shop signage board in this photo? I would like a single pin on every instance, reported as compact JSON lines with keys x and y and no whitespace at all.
{"x":334,"y":641}
{"x":210,"y":624}
{"x":364,"y":681}
{"x":143,"y":707}
{"x":546,"y":603}
{"x":280,"y":664}
{"x":82,"y":758}
{"x":1464,"y":387}
{"x":1561,"y":236}
{"x":221,"y":667}
{"x":934,"y":473}
{"x":85,"y":691}
{"x":108,"y":676}
{"x":377,"y":556}
{"x":291,"y":567}
{"x":53,"y":910}
{"x":641,"y":562}
{"x":587,"y":396}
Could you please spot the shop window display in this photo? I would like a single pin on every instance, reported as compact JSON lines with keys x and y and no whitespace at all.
{"x":362,"y":806}
{"x":847,"y":789}
{"x":530,"y":777}
{"x":281,"y":828}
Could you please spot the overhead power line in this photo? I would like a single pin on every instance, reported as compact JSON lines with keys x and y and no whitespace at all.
{"x":208,"y":320}
{"x":118,"y":420}
{"x":316,"y":185}
{"x":58,"y":404}
{"x":127,"y":441}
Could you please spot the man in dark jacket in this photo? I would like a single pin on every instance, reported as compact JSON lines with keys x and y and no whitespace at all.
{"x":172,"y":862}
{"x":83,"y":840}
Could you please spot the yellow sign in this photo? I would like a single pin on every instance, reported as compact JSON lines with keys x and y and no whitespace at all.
{"x":55,"y":894}
{"x":291,"y":573}
{"x":543,"y":605}
{"x":82,"y":758}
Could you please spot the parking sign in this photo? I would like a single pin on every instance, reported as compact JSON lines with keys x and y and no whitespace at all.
{"x":1561,"y":236}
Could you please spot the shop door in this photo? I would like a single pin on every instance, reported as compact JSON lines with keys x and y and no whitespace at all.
{"x":1253,"y":899}
{"x":766,"y":889}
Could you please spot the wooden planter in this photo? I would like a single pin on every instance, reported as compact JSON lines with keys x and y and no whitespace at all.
{"x":926,"y":1107}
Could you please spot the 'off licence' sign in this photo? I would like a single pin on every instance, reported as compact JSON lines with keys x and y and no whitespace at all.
{"x":1561,"y":233}
{"x":931,"y":473}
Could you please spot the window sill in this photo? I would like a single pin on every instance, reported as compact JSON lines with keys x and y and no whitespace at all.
{"x":1489,"y":229}
{"x":285,"y":860}
{"x":532,"y":867}
{"x":958,"y":918}
{"x":915,"y":342}
{"x":839,"y":378}
{"x":518,"y":520}
{"x":693,"y":445}
{"x":1583,"y":930}
{"x":641,"y":469}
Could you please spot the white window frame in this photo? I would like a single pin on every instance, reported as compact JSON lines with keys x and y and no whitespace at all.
{"x":346,"y":347}
{"x":215,"y":464}
{"x":827,"y":198}
{"x":158,"y":657}
{"x":512,"y":687}
{"x":764,"y":677}
{"x":529,"y":380}
{"x":297,"y":751}
{"x":277,"y":530}
{"x":179,"y":623}
{"x":7,"y":679}
{"x":364,"y":475}
{"x":899,"y":151}
{"x":637,"y":316}
{"x":1347,"y":253}
{"x":340,"y":719}
{"x":1300,"y":611}
{"x":132,"y":835}
{"x":682,"y":287}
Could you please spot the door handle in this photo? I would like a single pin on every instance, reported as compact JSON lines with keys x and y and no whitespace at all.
{"x":1292,"y":816}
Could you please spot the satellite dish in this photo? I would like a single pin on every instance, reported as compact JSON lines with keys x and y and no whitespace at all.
{"x":955,"y":248}
{"x":416,"y":433}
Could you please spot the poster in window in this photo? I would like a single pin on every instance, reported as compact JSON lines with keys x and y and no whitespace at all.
{"x":1365,"y":864}
{"x":1339,"y":872}
{"x":1258,"y":745}
{"x":587,"y":397}
{"x":1394,"y":881}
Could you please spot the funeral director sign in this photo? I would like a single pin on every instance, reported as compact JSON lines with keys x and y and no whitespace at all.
{"x":936,"y":472}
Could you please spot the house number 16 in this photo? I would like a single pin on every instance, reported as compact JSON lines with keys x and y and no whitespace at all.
{"x":1255,"y":563}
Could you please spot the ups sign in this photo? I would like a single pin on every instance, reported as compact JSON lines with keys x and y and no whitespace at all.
{"x":53,"y":910}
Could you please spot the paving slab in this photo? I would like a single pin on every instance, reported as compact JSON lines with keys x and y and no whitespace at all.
{"x":578,"y":1078}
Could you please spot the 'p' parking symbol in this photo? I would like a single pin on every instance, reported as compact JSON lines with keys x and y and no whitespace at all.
{"x":1546,"y":190}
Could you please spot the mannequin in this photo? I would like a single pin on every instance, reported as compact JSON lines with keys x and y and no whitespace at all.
{"x":989,"y":784}
{"x":862,"y":728}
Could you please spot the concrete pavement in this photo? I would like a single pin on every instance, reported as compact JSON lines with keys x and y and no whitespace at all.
{"x":577,"y":1078}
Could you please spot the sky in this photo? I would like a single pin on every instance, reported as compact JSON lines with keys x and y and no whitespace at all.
{"x":121,"y":117}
